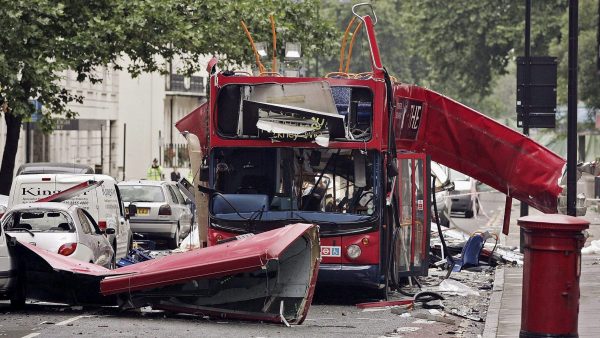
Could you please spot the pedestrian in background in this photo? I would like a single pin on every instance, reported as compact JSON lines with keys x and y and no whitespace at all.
{"x":175,"y":175}
{"x":155,"y":172}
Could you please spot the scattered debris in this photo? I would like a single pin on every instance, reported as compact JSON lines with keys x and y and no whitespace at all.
{"x":407,"y":329}
{"x":384,"y":304}
{"x":400,"y":310}
{"x":592,"y":249}
{"x":455,"y":287}
{"x":464,"y":313}
{"x":435,"y":318}
{"x":134,"y":256}
{"x":429,"y":300}
{"x":191,"y":241}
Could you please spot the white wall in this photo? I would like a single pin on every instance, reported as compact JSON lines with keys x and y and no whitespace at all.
{"x":141,"y":103}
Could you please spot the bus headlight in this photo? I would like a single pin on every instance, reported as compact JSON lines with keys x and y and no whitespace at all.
{"x":353,"y":251}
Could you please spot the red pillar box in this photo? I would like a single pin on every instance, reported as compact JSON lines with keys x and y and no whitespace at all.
{"x":551,"y":271}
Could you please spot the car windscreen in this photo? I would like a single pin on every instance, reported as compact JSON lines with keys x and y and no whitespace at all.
{"x":39,"y":221}
{"x":141,"y":193}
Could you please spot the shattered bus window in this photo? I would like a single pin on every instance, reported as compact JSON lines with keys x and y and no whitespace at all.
{"x":295,"y":112}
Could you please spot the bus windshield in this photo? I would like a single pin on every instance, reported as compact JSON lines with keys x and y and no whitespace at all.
{"x":251,"y":180}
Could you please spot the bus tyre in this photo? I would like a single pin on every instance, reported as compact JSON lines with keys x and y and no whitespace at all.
{"x":174,"y":241}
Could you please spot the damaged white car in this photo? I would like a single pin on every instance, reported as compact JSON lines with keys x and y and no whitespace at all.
{"x":60,"y":228}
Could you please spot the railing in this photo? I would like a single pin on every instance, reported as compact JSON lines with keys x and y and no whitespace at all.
{"x":176,"y":154}
{"x":183,"y":84}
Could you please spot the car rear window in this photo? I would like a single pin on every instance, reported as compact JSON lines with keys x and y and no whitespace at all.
{"x":141,"y":193}
{"x":39,"y":221}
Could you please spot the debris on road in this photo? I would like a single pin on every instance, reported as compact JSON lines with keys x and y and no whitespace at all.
{"x":384,"y":304}
{"x":435,"y":318}
{"x":457,"y":288}
{"x":592,"y":249}
{"x":465,"y":313}
{"x":134,"y":256}
{"x":492,"y":253}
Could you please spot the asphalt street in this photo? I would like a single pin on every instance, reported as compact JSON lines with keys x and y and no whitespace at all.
{"x":333,"y":313}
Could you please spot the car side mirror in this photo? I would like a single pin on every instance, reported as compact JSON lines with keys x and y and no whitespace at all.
{"x":110,"y":231}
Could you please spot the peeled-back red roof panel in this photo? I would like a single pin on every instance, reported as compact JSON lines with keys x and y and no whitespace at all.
{"x":242,"y":255}
{"x":470,"y":142}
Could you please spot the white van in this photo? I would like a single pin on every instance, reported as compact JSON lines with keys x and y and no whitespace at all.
{"x":103,"y":203}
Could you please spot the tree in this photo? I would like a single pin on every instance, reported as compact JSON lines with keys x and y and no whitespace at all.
{"x":588,"y":79}
{"x":467,"y":44}
{"x":460,"y":48}
{"x":42,"y":38}
{"x":395,"y":42}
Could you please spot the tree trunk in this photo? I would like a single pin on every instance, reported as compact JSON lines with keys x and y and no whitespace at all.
{"x":13,"y":131}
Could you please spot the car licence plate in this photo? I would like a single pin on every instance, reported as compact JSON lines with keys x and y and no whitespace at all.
{"x":143,"y":211}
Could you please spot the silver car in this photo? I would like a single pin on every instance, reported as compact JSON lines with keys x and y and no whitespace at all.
{"x":60,"y":228}
{"x":442,"y":188}
{"x":462,"y":196}
{"x":161,"y":210}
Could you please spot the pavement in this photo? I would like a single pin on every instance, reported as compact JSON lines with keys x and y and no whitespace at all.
{"x":504,"y":312}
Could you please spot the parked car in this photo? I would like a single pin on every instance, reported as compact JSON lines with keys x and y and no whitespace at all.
{"x":461,"y":197}
{"x":104,"y":203}
{"x":65,"y":229}
{"x":442,"y":188}
{"x":161,"y":210}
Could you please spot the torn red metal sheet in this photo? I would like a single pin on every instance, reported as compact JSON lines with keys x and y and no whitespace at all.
{"x":269,"y":276}
{"x":72,"y":191}
{"x":196,"y":123}
{"x":468,"y":141}
{"x":48,"y":276}
{"x":59,"y":262}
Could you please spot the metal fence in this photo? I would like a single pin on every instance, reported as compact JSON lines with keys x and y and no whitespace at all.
{"x":176,"y":154}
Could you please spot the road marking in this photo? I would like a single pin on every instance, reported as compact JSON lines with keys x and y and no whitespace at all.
{"x":70,"y":320}
{"x":31,"y":335}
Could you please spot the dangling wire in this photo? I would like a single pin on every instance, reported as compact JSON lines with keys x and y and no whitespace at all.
{"x":343,"y":49}
{"x":259,"y":64}
{"x":274,"y":33}
{"x":354,"y":34}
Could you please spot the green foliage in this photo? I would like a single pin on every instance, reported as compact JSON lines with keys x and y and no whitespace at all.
{"x":42,"y":38}
{"x":587,"y":73}
{"x":468,"y":44}
{"x":460,"y":48}
{"x":395,"y":42}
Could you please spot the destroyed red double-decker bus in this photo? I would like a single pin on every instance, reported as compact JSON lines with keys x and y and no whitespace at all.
{"x":351,"y":153}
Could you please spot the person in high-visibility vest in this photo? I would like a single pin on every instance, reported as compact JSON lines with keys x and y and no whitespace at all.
{"x":155,"y":172}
